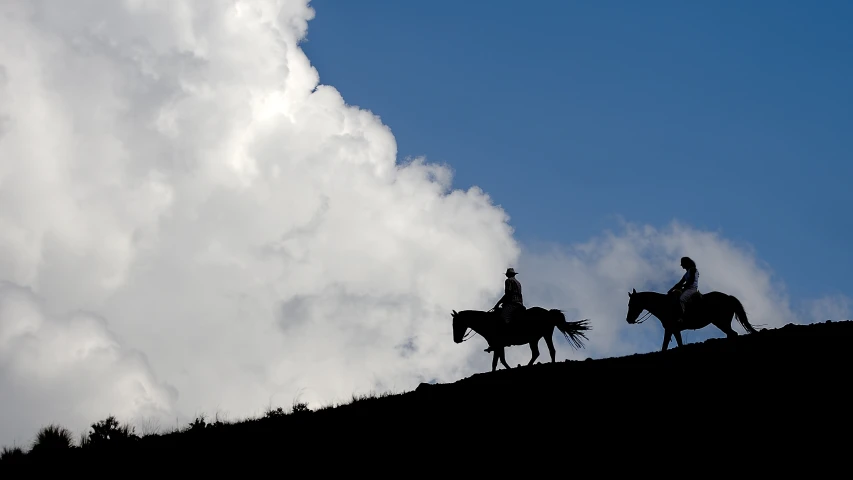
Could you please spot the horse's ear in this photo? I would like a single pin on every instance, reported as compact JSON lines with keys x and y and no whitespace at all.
{"x":454,"y":313}
{"x":635,"y":290}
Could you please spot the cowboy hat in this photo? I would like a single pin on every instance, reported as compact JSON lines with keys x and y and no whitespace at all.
{"x":510,"y":271}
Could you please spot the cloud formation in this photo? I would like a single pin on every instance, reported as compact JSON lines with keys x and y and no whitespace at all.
{"x":69,"y":366}
{"x":177,"y":169}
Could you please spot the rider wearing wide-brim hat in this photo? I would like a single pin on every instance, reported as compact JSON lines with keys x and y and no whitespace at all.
{"x":512,"y":301}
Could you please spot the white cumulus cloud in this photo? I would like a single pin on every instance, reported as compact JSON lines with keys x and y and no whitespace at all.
{"x":69,"y":369}
{"x":176,"y":169}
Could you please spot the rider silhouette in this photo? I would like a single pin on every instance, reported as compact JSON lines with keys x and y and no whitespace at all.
{"x":689,"y":282}
{"x":512,"y":303}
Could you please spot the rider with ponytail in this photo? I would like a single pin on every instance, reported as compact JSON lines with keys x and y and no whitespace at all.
{"x":689,"y":283}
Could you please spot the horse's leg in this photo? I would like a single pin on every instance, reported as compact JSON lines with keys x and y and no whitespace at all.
{"x":495,"y":360}
{"x":667,"y":336}
{"x":678,"y":337}
{"x":503,"y":359}
{"x":534,"y":350}
{"x":550,"y":342}
{"x":726,"y":327}
{"x":723,"y":321}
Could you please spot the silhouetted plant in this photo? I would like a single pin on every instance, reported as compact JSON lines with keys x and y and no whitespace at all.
{"x":150,"y":427}
{"x":53,"y":437}
{"x":12,"y":454}
{"x":275,"y":413}
{"x":109,"y":432}
{"x":218,"y":422}
{"x":198,"y":424}
{"x":300,"y":407}
{"x":328,"y":406}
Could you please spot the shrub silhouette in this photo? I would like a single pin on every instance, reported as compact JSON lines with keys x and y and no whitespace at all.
{"x":275,"y":413}
{"x":109,"y":432}
{"x":53,"y":437}
{"x":11,"y":455}
{"x":299,"y":408}
{"x":84,"y":440}
{"x":197,"y":426}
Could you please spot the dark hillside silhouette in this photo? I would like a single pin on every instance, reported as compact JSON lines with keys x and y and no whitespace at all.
{"x":749,"y":398}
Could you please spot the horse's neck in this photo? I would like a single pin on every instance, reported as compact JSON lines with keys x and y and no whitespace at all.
{"x":657,"y":304}
{"x":483,"y":323}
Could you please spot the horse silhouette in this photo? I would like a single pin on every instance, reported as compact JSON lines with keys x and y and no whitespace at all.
{"x":701,"y":310}
{"x":528,"y":327}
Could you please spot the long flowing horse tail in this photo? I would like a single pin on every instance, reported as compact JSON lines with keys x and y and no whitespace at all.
{"x":740,"y":314}
{"x":573,"y":331}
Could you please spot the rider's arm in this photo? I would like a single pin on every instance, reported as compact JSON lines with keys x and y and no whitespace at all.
{"x":678,"y":284}
{"x":689,"y":276}
{"x":499,"y":301}
{"x":507,"y":290}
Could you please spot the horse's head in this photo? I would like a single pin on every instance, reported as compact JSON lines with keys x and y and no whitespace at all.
{"x":459,"y":327}
{"x":634,"y":307}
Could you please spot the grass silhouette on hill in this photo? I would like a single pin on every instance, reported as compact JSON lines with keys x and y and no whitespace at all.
{"x":770,"y":384}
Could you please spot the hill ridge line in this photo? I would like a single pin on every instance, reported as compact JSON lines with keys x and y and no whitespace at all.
{"x":740,"y":384}
{"x":661,"y":359}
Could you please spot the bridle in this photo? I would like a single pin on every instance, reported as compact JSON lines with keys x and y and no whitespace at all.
{"x":469,"y":335}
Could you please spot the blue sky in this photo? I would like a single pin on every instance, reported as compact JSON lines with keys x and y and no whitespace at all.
{"x":725,"y":116}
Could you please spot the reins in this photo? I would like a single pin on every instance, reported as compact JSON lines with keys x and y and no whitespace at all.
{"x":473,"y":333}
{"x":645,"y":317}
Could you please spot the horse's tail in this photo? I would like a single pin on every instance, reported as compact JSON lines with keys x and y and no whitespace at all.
{"x":573,"y":331}
{"x":740,"y":314}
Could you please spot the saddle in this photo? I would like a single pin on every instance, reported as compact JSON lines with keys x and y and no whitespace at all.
{"x":676,"y":294}
{"x":509,"y":331}
{"x":693,"y":301}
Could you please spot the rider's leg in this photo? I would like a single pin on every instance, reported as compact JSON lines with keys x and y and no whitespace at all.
{"x":504,"y":313}
{"x":685,"y":295}
{"x":508,"y":311}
